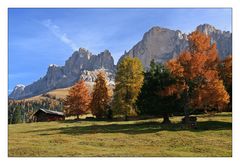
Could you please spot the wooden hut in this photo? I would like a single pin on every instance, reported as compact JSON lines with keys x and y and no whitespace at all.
{"x":48,"y":115}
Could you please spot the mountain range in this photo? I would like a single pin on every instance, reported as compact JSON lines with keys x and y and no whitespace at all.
{"x":160,"y":44}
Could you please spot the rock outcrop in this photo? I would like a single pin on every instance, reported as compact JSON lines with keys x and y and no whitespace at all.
{"x":81,"y":65}
{"x":160,"y":44}
{"x":18,"y":90}
{"x":223,"y":39}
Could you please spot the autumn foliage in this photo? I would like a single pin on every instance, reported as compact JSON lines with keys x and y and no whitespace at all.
{"x":197,"y":75}
{"x":128,"y":82}
{"x":194,"y":80}
{"x":78,"y":100}
{"x":101,"y":97}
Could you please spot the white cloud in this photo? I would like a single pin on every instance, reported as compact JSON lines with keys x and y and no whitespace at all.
{"x":56,"y":30}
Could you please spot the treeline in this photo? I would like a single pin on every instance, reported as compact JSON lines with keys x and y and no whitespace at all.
{"x":196,"y":80}
{"x":21,"y":111}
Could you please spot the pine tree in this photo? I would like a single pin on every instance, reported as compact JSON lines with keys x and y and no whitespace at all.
{"x":16,"y":116}
{"x":154,"y":99}
{"x":78,"y":100}
{"x":225,"y":71}
{"x":128,"y":82}
{"x":100,"y":103}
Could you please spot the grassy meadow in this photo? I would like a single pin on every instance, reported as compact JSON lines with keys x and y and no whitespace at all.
{"x":213,"y":137}
{"x":58,"y":93}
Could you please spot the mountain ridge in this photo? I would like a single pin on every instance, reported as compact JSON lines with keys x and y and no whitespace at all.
{"x":160,"y":44}
{"x":169,"y":43}
{"x":81,"y":64}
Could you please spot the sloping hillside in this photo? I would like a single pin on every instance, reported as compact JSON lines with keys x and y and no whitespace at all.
{"x":58,"y":93}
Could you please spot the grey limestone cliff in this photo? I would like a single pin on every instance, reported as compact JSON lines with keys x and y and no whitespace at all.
{"x":162,"y":44}
{"x":81,"y":65}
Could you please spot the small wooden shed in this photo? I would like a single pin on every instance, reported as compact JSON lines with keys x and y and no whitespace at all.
{"x":48,"y":115}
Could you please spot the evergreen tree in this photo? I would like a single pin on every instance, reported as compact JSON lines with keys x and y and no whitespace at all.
{"x":28,"y":107}
{"x":225,"y":71}
{"x":16,"y":116}
{"x":153,"y":99}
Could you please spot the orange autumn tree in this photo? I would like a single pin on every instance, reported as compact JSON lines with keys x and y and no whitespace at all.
{"x":78,"y":100}
{"x":197,"y":76}
{"x":101,"y":97}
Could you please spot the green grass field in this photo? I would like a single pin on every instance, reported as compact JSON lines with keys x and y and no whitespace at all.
{"x":126,"y":138}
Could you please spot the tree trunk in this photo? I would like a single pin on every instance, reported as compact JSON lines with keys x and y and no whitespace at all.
{"x":126,"y":117}
{"x":128,"y":109}
{"x":186,"y":109}
{"x":186,"y":113}
{"x":166,"y":119}
{"x":110,"y":115}
{"x":77,"y":117}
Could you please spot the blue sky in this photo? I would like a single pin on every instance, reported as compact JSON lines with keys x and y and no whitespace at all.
{"x":39,"y":37}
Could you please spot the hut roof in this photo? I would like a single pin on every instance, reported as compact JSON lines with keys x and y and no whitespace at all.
{"x":50,"y":112}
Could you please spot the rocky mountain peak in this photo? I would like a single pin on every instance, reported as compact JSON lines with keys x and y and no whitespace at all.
{"x":84,"y":53}
{"x":18,"y":90}
{"x":52,"y":67}
{"x":19,"y":87}
{"x":223,"y":39}
{"x":81,"y":65}
{"x":159,"y":44}
{"x":207,"y":29}
{"x":106,"y":53}
{"x":156,"y":31}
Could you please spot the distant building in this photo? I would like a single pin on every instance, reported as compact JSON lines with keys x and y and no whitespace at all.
{"x":48,"y":115}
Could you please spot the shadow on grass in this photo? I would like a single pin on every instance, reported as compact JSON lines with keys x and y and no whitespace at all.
{"x":216,"y":115}
{"x":138,"y":118}
{"x":138,"y":128}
